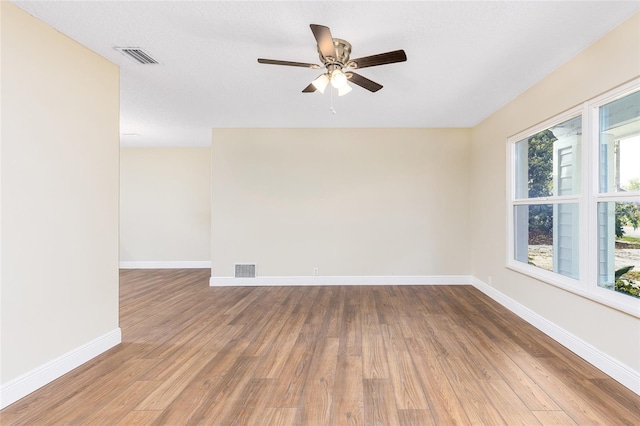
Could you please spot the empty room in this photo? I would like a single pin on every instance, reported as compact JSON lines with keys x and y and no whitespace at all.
{"x":320,"y":213}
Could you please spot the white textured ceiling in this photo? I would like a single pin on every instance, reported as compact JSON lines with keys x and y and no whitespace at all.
{"x":465,"y":59}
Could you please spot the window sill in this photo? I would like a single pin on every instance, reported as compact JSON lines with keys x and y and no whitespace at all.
{"x":621,"y":302}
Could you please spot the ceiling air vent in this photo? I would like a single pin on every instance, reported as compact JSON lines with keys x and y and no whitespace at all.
{"x":137,"y":54}
{"x":245,"y":270}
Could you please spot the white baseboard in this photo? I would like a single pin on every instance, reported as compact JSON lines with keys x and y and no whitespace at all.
{"x":165,"y":264}
{"x":342,"y":280}
{"x":22,"y":386}
{"x":614,"y":368}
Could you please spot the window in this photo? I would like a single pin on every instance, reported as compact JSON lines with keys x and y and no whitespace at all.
{"x":618,"y":199}
{"x":574,"y":200}
{"x":547,"y":186}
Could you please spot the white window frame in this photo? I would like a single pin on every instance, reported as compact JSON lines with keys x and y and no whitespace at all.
{"x":588,"y":197}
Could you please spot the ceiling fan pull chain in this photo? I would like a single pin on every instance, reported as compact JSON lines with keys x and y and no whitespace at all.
{"x":333,"y":111}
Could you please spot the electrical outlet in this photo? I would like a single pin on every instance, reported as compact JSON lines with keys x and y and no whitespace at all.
{"x":315,"y":271}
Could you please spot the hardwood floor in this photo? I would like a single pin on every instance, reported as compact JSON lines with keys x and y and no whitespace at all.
{"x":365,"y":355}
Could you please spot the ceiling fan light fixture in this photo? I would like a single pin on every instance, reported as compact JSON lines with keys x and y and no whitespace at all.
{"x":344,"y":89}
{"x":338,"y":78}
{"x":334,"y":53}
{"x":321,"y":82}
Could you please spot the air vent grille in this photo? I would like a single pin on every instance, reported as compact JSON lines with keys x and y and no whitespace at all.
{"x":245,"y":270}
{"x":137,"y":54}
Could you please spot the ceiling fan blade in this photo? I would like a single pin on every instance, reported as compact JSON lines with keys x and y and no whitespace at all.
{"x":289,"y":63}
{"x":380,"y":59}
{"x":363,"y":82}
{"x":324,"y":39}
{"x":309,"y":89}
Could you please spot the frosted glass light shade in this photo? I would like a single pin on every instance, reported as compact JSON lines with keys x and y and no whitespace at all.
{"x":344,"y":89}
{"x":321,"y":83}
{"x":338,"y":79}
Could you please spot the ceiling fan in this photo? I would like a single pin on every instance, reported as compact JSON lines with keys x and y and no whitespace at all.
{"x":334,"y":54}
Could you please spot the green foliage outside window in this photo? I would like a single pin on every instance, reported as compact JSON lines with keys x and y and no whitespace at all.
{"x":626,"y":285}
{"x":627,"y":214}
{"x":540,"y":156}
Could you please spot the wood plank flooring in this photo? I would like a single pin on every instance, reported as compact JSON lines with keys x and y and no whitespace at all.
{"x":357,"y":355}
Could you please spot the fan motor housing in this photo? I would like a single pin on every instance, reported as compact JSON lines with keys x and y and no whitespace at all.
{"x":343,"y":50}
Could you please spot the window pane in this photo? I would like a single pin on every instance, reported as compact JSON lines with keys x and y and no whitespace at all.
{"x":620,"y":145}
{"x":547,"y":236}
{"x":619,"y":246}
{"x":548,"y":163}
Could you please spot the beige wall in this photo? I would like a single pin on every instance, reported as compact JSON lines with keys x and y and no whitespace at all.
{"x":165,"y":202}
{"x":606,"y":64}
{"x":59,"y":211}
{"x":351,"y":202}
